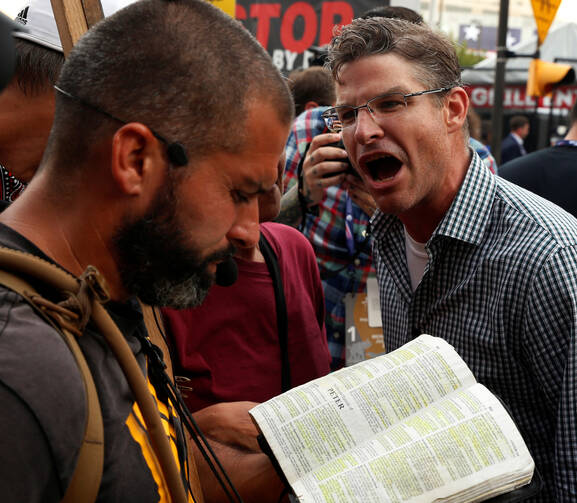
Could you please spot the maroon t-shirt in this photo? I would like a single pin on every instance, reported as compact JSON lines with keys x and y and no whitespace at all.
{"x":229,"y":346}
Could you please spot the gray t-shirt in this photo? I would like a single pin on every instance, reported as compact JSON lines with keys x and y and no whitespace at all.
{"x":42,"y":404}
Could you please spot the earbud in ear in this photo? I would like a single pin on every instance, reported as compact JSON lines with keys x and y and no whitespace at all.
{"x":177,"y":154}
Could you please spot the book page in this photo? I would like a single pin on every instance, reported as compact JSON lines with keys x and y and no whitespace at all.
{"x":464,"y":446}
{"x":316,"y":422}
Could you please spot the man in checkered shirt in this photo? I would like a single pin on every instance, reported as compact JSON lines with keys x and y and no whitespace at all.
{"x":461,"y":254}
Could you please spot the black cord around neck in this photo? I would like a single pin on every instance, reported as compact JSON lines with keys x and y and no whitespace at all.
{"x":157,"y":369}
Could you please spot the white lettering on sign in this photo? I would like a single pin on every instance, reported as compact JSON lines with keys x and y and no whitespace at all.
{"x":515,"y":97}
{"x":518,"y":101}
{"x":480,"y":97}
{"x":290,"y":58}
{"x":307,"y":56}
{"x":278,"y":58}
{"x":564,"y":98}
{"x":286,"y":60}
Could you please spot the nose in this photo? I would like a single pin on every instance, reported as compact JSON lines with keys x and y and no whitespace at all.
{"x":366,"y":128}
{"x":245,"y":232}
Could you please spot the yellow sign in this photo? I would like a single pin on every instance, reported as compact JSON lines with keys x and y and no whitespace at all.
{"x":544,"y":76}
{"x":544,"y":12}
{"x":228,"y":6}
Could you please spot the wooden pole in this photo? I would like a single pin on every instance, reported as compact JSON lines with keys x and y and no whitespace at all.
{"x":73,"y":18}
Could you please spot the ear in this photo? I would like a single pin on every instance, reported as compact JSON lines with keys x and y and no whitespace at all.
{"x":280,"y":169}
{"x":456,"y":106}
{"x":311,"y":104}
{"x":137,"y":159}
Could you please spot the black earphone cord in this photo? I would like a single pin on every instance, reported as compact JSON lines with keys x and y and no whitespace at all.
{"x":175,"y":150}
{"x":192,"y":427}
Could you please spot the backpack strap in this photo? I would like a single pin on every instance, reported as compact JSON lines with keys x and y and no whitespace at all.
{"x":87,"y":474}
{"x":156,"y":329}
{"x":271,"y":261}
{"x":85,"y":298}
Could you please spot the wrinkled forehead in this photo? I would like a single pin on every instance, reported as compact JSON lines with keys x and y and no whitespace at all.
{"x":370,"y":76}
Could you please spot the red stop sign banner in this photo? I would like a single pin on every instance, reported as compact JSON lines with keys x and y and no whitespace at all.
{"x":288,"y":29}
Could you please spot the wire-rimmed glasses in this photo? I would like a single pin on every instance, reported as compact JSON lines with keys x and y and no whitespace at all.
{"x":344,"y":116}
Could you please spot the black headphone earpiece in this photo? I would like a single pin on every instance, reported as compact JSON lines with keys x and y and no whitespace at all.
{"x":226,"y":272}
{"x":177,"y":154}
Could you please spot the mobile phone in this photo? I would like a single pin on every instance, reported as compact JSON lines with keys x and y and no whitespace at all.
{"x":349,"y":168}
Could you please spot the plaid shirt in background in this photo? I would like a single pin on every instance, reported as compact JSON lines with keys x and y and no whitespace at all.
{"x":484,"y":154}
{"x":326,"y":232}
{"x":10,"y":186}
{"x":501,"y":287}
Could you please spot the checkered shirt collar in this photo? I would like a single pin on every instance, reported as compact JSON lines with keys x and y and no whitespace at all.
{"x":468,"y":215}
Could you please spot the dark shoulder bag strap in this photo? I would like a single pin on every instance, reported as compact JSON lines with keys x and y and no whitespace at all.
{"x":281,"y":312}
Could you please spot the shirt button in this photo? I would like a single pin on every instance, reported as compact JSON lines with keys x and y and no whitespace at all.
{"x":336,"y":335}
{"x":357,"y":262}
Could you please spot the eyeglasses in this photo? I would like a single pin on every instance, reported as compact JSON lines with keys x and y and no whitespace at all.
{"x":344,"y":116}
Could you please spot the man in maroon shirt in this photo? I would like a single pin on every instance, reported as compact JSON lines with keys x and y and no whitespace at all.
{"x":229,"y":347}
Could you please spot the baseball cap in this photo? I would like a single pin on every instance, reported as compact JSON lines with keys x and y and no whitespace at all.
{"x":39,"y":20}
{"x":7,"y":52}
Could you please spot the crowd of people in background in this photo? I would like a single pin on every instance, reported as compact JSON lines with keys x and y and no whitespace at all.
{"x":371,"y":165}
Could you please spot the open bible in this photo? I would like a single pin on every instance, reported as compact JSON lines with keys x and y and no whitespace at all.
{"x":412,"y":425}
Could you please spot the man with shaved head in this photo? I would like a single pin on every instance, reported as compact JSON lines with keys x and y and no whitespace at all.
{"x":151,"y":174}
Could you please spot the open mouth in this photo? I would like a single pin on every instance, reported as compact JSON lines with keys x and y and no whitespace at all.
{"x":383,"y":168}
